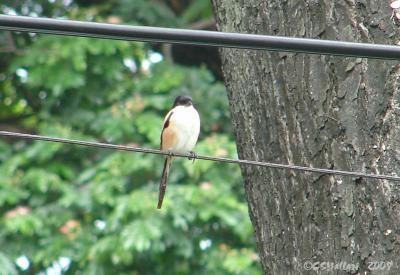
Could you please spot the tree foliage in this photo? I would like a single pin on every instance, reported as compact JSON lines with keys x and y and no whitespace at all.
{"x":78,"y":209}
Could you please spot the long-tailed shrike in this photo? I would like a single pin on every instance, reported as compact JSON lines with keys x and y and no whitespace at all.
{"x":179,"y":134}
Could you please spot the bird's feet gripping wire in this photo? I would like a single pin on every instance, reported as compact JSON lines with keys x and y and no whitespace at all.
{"x":193,"y":156}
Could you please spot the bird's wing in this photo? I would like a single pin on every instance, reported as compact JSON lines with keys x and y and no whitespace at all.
{"x":169,"y":137}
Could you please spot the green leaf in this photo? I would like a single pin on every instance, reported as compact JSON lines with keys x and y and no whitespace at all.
{"x":7,"y":266}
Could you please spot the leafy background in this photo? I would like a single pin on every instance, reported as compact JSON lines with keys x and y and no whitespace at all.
{"x":69,"y":209}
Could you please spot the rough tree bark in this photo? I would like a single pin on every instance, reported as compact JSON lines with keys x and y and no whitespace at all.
{"x":320,"y":111}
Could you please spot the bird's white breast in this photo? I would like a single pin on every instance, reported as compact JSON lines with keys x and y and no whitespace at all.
{"x":187,"y":124}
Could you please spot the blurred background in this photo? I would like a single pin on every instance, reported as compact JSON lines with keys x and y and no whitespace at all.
{"x":76,"y":210}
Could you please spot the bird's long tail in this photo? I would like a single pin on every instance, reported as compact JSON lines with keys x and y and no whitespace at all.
{"x":163,"y":183}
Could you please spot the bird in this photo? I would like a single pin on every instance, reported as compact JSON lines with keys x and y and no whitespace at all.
{"x":180,"y":132}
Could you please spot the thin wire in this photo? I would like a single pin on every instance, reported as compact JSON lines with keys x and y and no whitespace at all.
{"x":218,"y":159}
{"x":197,"y":37}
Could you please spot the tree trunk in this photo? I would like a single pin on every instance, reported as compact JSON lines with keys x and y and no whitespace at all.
{"x":321,"y":111}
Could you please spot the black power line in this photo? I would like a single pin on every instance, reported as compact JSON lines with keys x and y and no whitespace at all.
{"x":205,"y":38}
{"x":218,"y":159}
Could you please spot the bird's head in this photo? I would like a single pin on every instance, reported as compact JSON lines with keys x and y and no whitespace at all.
{"x":183,"y":100}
